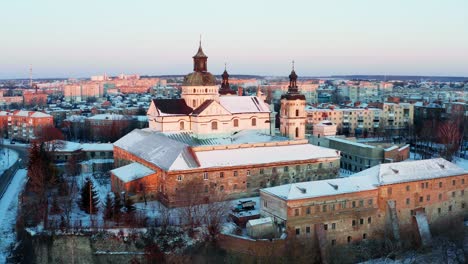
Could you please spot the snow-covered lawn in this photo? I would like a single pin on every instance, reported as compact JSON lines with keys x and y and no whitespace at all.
{"x":8,"y":212}
{"x":7,"y":158}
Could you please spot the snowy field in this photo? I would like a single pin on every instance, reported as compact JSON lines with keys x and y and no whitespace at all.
{"x":7,"y":158}
{"x":8,"y":211}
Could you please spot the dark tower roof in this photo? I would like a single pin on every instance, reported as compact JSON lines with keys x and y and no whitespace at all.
{"x":225,"y":86}
{"x":293,"y":92}
{"x":200,"y":75}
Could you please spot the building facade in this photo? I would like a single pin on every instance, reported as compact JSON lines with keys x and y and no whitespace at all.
{"x":24,"y":125}
{"x":390,"y":200}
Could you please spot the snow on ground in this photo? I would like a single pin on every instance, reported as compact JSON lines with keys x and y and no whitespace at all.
{"x":8,"y":211}
{"x":7,"y":158}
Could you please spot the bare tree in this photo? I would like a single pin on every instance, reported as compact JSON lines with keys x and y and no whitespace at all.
{"x":450,"y":136}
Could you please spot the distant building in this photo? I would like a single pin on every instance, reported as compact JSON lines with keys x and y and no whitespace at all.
{"x":24,"y":125}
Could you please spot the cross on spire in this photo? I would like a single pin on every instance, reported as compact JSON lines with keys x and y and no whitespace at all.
{"x":200,"y":40}
{"x":293,"y":65}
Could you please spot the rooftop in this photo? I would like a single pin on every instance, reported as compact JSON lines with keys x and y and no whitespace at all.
{"x":131,"y":172}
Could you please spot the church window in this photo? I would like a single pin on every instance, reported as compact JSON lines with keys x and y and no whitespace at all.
{"x":236,"y":122}
{"x":254,"y":122}
{"x":194,"y":91}
{"x":297,"y":132}
{"x":214,"y":125}
{"x":297,"y":112}
{"x":182,"y":125}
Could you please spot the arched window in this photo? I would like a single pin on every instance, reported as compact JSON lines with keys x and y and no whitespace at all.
{"x":206,"y":90}
{"x":181,"y":125}
{"x":297,"y":132}
{"x":236,"y":122}
{"x":254,"y":122}
{"x":194,"y":103}
{"x":214,"y":125}
{"x":194,"y":91}
{"x":297,"y":112}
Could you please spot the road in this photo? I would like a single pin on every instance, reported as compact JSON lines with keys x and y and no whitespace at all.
{"x":7,"y":177}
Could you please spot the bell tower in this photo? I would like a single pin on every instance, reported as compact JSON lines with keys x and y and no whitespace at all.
{"x":292,"y":112}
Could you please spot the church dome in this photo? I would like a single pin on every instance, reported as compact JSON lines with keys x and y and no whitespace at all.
{"x":199,"y":79}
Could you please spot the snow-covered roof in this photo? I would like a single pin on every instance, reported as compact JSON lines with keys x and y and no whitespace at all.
{"x":407,"y":171}
{"x":262,"y":155}
{"x":131,"y":172}
{"x":40,"y":114}
{"x":97,"y":146}
{"x":170,"y":154}
{"x":107,"y":117}
{"x":157,"y":148}
{"x":243,"y":104}
{"x":346,"y":141}
{"x":329,"y":187}
{"x":260,"y":221}
{"x":370,"y":179}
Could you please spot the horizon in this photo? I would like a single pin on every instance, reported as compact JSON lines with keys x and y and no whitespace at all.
{"x":78,"y":40}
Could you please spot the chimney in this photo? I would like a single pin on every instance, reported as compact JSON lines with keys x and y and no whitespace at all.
{"x":240,"y":91}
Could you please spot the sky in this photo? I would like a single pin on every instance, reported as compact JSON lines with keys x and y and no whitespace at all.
{"x":69,"y":38}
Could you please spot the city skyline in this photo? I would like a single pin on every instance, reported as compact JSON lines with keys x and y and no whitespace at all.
{"x":257,"y":38}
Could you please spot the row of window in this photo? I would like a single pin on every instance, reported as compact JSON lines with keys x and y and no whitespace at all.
{"x":425,"y":185}
{"x":333,"y":206}
{"x":261,"y":171}
{"x":214,"y":124}
{"x":349,"y":239}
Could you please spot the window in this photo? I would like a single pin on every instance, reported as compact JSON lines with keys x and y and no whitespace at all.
{"x":261,"y":171}
{"x":235,"y":173}
{"x":297,"y":132}
{"x":179,"y":178}
{"x":324,"y":208}
{"x":440,"y":196}
{"x":307,"y":229}
{"x":454,"y":182}
{"x":286,"y":168}
{"x":317,"y":209}
{"x":214,"y":125}
{"x":364,"y":236}
{"x":361,"y":221}
{"x":296,"y":212}
{"x":463,"y":181}
{"x":309,"y":166}
{"x":426,"y":185}
{"x":181,"y":125}
{"x":422,"y":185}
{"x":308,"y":210}
{"x":450,"y":208}
{"x":273,"y":170}
{"x":332,"y":207}
{"x":354,"y":222}
{"x":298,"y":231}
{"x":297,"y":112}
{"x":221,"y":174}
{"x":407,"y":188}
{"x":236,"y":122}
{"x":343,"y":205}
{"x":194,"y":102}
{"x":440,"y":184}
{"x":361,"y":203}
{"x":439,"y":210}
{"x":354,"y":204}
{"x":205,"y":176}
{"x":248,"y":172}
{"x":407,"y":200}
{"x":248,"y":185}
{"x":349,"y":239}
{"x":333,"y":226}
{"x":325,"y":227}
{"x":333,"y":242}
{"x":463,"y":205}
{"x":254,"y":122}
{"x":428,"y":198}
{"x":369,"y":220}
{"x":453,"y":194}
{"x":421,"y":199}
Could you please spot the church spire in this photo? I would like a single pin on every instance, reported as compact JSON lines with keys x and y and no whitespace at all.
{"x":292,"y":81}
{"x":225,"y":86}
{"x":200,"y":60}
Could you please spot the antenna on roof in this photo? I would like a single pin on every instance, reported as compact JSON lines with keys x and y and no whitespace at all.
{"x":395,"y":170}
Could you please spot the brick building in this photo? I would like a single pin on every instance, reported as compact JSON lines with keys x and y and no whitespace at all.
{"x":24,"y":125}
{"x":228,"y":168}
{"x":407,"y":201}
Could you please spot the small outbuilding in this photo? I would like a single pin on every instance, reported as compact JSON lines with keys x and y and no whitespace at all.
{"x":261,"y":228}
